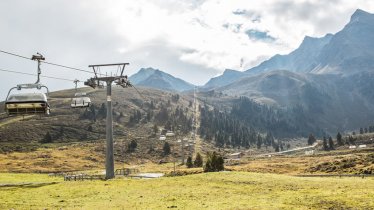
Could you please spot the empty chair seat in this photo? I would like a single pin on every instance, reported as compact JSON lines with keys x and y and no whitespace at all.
{"x":27,"y":103}
{"x":80,"y":102}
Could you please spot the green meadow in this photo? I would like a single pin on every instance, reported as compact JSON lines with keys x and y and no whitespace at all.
{"x":221,"y":190}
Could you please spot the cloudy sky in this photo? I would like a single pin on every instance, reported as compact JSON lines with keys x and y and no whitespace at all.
{"x":190,"y":39}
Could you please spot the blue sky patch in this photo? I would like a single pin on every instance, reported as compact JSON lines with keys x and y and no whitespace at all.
{"x":259,"y":35}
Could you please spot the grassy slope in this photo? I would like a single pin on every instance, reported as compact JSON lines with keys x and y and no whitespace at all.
{"x":334,"y":162}
{"x":225,"y":190}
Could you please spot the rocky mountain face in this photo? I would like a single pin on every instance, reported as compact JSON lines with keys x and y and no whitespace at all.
{"x":350,"y":50}
{"x":347,"y":52}
{"x":331,"y":77}
{"x":154,"y":78}
{"x":303,"y":59}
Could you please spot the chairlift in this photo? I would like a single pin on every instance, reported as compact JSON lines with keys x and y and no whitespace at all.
{"x":80,"y":100}
{"x":27,"y":103}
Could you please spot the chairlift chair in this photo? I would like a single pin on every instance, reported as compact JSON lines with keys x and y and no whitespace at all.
{"x":80,"y":101}
{"x":27,"y":103}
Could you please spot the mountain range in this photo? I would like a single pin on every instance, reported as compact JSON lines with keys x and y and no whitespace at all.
{"x":331,"y":77}
{"x":347,"y":52}
{"x":154,"y":78}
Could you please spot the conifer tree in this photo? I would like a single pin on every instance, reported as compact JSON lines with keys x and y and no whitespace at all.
{"x":166,"y":148}
{"x":259,"y":141}
{"x":214,"y":162}
{"x":132,"y":146}
{"x":311,"y":139}
{"x":198,"y":160}
{"x":189,"y":162}
{"x":325,"y":146}
{"x":339,"y":139}
{"x":331,"y":143}
{"x":47,"y":138}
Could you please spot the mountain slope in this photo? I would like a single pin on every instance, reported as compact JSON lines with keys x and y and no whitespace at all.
{"x":334,"y":102}
{"x":351,"y":49}
{"x":331,"y":78}
{"x":348,"y":51}
{"x":226,"y":78}
{"x":303,"y":59}
{"x":155,"y":78}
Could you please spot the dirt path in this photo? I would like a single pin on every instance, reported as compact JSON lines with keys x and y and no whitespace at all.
{"x":198,"y":141}
{"x":10,"y":120}
{"x":289,"y":151}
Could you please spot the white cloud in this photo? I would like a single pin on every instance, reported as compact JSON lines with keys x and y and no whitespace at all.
{"x":199,"y":26}
{"x":192,"y":39}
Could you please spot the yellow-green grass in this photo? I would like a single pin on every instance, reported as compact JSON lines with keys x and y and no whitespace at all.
{"x":65,"y":158}
{"x":224,"y":190}
{"x":301,"y":164}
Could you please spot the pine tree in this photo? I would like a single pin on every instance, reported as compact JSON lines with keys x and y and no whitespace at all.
{"x":155,"y":129}
{"x":189,"y":162}
{"x":61,"y":133}
{"x":214,"y":162}
{"x":325,"y":146}
{"x":259,"y":141}
{"x":281,"y":146}
{"x":269,"y":139}
{"x":132,"y":146}
{"x":339,"y":139}
{"x":311,"y":139}
{"x":351,"y":140}
{"x":198,"y":160}
{"x":331,"y":143}
{"x":166,"y":148}
{"x":47,"y":138}
{"x":276,"y":147}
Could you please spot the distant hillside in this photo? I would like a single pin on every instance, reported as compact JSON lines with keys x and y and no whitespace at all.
{"x":334,"y":102}
{"x":134,"y":118}
{"x":154,"y":78}
{"x":226,"y":78}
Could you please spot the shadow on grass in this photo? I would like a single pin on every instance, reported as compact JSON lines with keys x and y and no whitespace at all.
{"x":26,"y":185}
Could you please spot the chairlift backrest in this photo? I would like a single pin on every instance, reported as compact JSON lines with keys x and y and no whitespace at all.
{"x":25,"y":97}
{"x":80,"y":94}
{"x":27,"y":103}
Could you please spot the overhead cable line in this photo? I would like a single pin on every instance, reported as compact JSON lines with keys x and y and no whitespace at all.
{"x":51,"y":77}
{"x":72,"y":68}
{"x":9,"y":53}
{"x":141,"y":95}
{"x":54,"y":64}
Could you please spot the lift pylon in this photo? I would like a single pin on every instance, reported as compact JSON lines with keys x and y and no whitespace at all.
{"x":95,"y":82}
